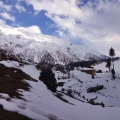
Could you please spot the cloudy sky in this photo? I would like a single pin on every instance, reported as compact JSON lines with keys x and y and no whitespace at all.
{"x":91,"y":23}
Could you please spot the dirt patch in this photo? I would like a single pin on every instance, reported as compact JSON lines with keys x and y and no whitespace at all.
{"x":11,"y":79}
{"x":7,"y":115}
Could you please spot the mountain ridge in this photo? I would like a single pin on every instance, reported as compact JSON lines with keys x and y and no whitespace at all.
{"x":36,"y":47}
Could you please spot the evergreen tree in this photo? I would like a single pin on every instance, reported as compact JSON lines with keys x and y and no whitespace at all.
{"x":48,"y":78}
{"x":112,"y":52}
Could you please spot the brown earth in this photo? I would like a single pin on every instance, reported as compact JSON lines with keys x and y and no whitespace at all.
{"x":7,"y":115}
{"x":11,"y":79}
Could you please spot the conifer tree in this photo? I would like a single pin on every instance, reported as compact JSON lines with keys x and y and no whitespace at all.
{"x":48,"y":78}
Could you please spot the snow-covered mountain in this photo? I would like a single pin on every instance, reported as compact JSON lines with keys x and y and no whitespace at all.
{"x":33,"y":46}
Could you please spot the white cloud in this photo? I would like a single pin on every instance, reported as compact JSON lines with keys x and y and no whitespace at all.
{"x":20,"y":8}
{"x":2,"y":23}
{"x":5,"y":7}
{"x":96,"y":23}
{"x":4,"y":11}
{"x":32,"y":29}
{"x":7,"y":16}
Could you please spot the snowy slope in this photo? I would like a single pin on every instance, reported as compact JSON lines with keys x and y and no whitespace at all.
{"x":41,"y":104}
{"x":35,"y":47}
{"x":81,"y":81}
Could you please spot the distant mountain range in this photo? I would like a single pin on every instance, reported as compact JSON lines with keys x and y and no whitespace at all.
{"x":35,"y":47}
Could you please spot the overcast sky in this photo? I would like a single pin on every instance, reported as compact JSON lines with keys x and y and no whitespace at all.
{"x":91,"y":23}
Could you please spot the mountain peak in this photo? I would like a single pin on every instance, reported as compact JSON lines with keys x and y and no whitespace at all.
{"x":33,"y":46}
